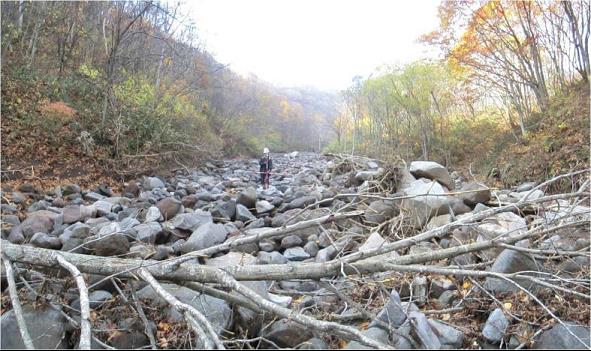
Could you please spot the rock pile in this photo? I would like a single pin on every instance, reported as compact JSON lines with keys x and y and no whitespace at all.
{"x":159,"y":219}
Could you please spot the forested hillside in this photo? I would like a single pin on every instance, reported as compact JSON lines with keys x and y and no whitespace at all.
{"x":513,"y":82}
{"x":127,"y":86}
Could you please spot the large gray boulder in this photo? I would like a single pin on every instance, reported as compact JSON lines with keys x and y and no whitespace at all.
{"x":478,"y":193}
{"x":431,"y":170}
{"x":38,"y":222}
{"x":217,"y":311}
{"x":374,"y":333}
{"x":447,"y":334}
{"x":247,"y":198}
{"x":102,"y":208}
{"x":296,"y":254}
{"x":46,"y":326}
{"x":291,"y":241}
{"x":426,"y":201}
{"x":243,"y":214}
{"x":301,"y":202}
{"x":287,"y":333}
{"x":393,"y":314}
{"x":207,"y":235}
{"x":46,"y":241}
{"x":247,"y":320}
{"x":150,"y":183}
{"x":78,"y":213}
{"x":273,"y":257}
{"x":190,"y":221}
{"x":148,"y":232}
{"x":560,"y":337}
{"x":153,"y":214}
{"x":510,"y":261}
{"x":169,"y":207}
{"x":428,"y":338}
{"x":73,"y":236}
{"x":264,"y":206}
{"x":374,"y":241}
{"x":108,"y":245}
{"x":380,"y":211}
{"x":495,"y":326}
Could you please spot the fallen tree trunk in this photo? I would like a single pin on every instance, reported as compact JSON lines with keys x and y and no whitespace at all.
{"x":109,"y":266}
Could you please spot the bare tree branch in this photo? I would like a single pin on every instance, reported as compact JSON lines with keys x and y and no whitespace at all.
{"x":84,"y":302}
{"x":202,"y":327}
{"x":16,"y":306}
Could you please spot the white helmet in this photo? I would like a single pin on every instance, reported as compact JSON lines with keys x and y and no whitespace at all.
{"x":265,"y":150}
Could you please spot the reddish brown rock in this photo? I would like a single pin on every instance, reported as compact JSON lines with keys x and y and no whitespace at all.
{"x":169,"y":207}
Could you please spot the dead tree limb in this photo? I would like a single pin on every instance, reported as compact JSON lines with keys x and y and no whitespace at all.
{"x":270,"y":233}
{"x":201,"y":326}
{"x":140,"y":311}
{"x":205,"y":274}
{"x":16,"y":306}
{"x":472,"y":273}
{"x":328,"y":327}
{"x":58,"y":309}
{"x":550,"y":181}
{"x":84,"y":303}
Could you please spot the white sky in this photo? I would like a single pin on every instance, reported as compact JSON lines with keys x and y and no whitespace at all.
{"x":321,"y":43}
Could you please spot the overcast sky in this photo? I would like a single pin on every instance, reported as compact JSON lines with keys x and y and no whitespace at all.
{"x":321,"y":43}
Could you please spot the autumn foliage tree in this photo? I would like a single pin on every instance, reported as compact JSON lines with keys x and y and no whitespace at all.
{"x":503,"y":63}
{"x":520,"y":51}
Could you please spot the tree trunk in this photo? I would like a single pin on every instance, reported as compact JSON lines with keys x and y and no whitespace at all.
{"x":581,"y":48}
{"x":21,"y":13}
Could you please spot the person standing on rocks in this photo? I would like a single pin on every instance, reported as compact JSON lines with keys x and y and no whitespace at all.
{"x":266,"y":165}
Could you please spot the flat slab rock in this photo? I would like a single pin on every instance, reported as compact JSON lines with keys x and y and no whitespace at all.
{"x":287,"y":333}
{"x":217,"y":311}
{"x":495,"y":326}
{"x":559,"y":337}
{"x":431,"y":170}
{"x":296,"y":254}
{"x":375,"y":333}
{"x":46,"y":326}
